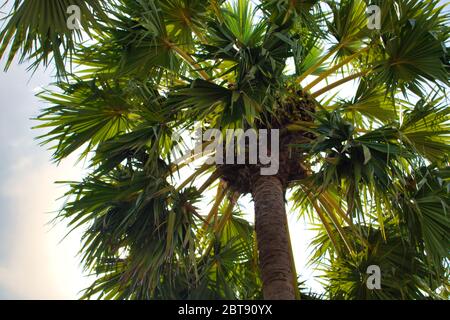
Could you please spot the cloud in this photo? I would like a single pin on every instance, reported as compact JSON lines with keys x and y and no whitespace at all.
{"x":38,"y":266}
{"x":33,"y":262}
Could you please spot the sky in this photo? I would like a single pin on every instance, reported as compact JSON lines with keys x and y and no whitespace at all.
{"x":33,"y":262}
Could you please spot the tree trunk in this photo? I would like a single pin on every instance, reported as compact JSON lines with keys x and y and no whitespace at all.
{"x":273,"y":239}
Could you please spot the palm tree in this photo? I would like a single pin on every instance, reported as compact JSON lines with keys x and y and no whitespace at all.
{"x":369,"y":170}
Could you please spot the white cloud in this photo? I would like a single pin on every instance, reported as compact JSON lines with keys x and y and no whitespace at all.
{"x":38,"y":266}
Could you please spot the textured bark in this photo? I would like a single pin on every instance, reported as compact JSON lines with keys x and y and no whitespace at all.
{"x":272,"y":236}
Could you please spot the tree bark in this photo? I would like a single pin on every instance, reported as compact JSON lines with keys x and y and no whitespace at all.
{"x":272,"y":236}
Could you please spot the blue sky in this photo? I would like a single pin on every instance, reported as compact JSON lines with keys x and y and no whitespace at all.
{"x":32,"y":262}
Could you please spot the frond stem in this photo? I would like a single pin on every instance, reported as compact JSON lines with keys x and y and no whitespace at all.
{"x":338,"y":83}
{"x":325,"y":74}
